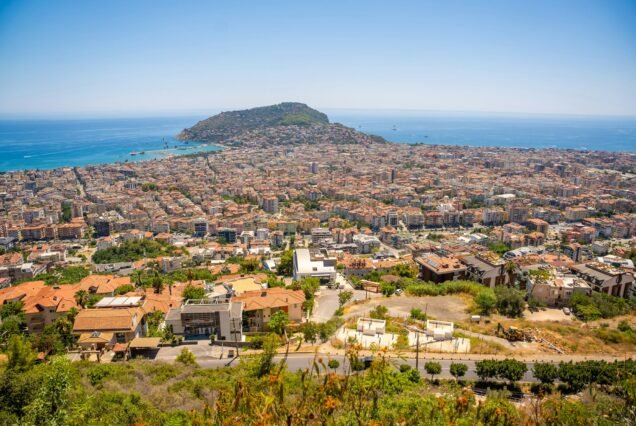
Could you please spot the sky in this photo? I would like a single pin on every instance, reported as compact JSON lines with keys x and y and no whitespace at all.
{"x":152,"y":57}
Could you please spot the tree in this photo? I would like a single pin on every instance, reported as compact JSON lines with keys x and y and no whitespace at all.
{"x":510,"y":302}
{"x":511,"y":269}
{"x":11,"y":308}
{"x":81,"y":297}
{"x":574,"y":375}
{"x":486,"y":369}
{"x":157,"y":283}
{"x":53,"y":396}
{"x":433,"y":368}
{"x":249,"y":265}
{"x":387,"y":289}
{"x":546,"y":372}
{"x":486,"y":301}
{"x":310,"y":332}
{"x":458,"y":370}
{"x":333,"y":364}
{"x":344,"y":297}
{"x":278,"y":322}
{"x":286,"y":265}
{"x":191,"y":292}
{"x":511,"y":369}
{"x":404,"y":270}
{"x":309,"y":286}
{"x":20,"y":353}
{"x":266,"y":360}
{"x":186,"y":357}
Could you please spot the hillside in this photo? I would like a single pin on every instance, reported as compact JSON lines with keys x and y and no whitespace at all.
{"x":288,"y":123}
{"x":231,"y":123}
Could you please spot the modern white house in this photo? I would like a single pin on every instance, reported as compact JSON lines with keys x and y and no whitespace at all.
{"x":314,"y":263}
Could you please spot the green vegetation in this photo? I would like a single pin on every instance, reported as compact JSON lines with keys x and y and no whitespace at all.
{"x":191,"y":292}
{"x":433,"y":368}
{"x":133,"y":250}
{"x":599,"y":305}
{"x":507,"y":369}
{"x":66,"y":275}
{"x":260,"y":391}
{"x":286,"y":265}
{"x":458,"y":370}
{"x":67,"y":214}
{"x":278,"y":322}
{"x":344,"y":297}
{"x":510,"y":302}
{"x":149,"y":186}
{"x":418,"y":314}
{"x":226,"y":124}
{"x":498,"y":247}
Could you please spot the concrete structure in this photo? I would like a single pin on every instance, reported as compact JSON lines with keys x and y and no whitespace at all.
{"x":370,"y":326}
{"x":259,"y":306}
{"x":557,"y":289}
{"x":207,"y":317}
{"x":486,"y":268}
{"x":605,"y":278}
{"x":440,"y":268}
{"x":314,"y":263}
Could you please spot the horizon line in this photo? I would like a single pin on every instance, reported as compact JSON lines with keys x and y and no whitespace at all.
{"x":207,"y":112}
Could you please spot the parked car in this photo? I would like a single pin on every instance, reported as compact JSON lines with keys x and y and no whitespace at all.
{"x":566,"y":311}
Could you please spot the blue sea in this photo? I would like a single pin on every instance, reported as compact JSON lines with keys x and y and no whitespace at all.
{"x":580,"y":133}
{"x":48,"y":144}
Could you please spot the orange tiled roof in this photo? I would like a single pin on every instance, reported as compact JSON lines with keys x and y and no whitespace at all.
{"x":270,"y":298}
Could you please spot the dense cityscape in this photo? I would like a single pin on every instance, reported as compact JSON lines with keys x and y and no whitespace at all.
{"x":337,"y":244}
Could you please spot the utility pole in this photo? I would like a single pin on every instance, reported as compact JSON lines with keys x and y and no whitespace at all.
{"x":417,"y":352}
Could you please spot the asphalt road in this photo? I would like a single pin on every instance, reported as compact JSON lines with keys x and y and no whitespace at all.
{"x":298,"y":362}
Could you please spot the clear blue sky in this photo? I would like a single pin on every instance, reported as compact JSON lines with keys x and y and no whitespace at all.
{"x":137,"y":57}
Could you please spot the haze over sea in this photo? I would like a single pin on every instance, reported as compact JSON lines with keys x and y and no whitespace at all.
{"x":48,"y":144}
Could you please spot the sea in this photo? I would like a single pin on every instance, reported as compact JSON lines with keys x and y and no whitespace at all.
{"x":49,"y":144}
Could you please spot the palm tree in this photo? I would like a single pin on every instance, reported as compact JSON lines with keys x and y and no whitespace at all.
{"x":511,"y":269}
{"x":81,"y":297}
{"x":157,"y":283}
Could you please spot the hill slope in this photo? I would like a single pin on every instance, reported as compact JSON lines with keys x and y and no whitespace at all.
{"x":231,"y":123}
{"x":289,"y":123}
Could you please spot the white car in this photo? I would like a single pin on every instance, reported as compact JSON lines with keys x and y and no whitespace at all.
{"x":566,"y":311}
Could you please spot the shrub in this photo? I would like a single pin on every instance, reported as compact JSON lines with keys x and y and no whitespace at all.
{"x":333,"y":364}
{"x":418,"y":314}
{"x":458,"y":370}
{"x":546,"y":372}
{"x":510,"y":302}
{"x":186,"y":357}
{"x":404,"y":368}
{"x":379,"y":312}
{"x":433,"y":368}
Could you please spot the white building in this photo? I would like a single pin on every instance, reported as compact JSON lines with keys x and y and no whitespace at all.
{"x":315,"y":264}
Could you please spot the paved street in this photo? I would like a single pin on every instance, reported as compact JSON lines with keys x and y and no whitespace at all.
{"x":297,"y":362}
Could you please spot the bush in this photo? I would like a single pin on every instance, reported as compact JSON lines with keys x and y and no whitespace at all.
{"x":546,"y":372}
{"x":458,"y":370}
{"x":486,"y":301}
{"x":433,"y":368}
{"x":510,"y":302}
{"x":418,"y":314}
{"x":379,"y":312}
{"x":404,"y":368}
{"x":333,"y":364}
{"x":186,"y":357}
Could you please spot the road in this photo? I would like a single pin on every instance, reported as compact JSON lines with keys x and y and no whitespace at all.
{"x":327,"y":301}
{"x":298,"y":362}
